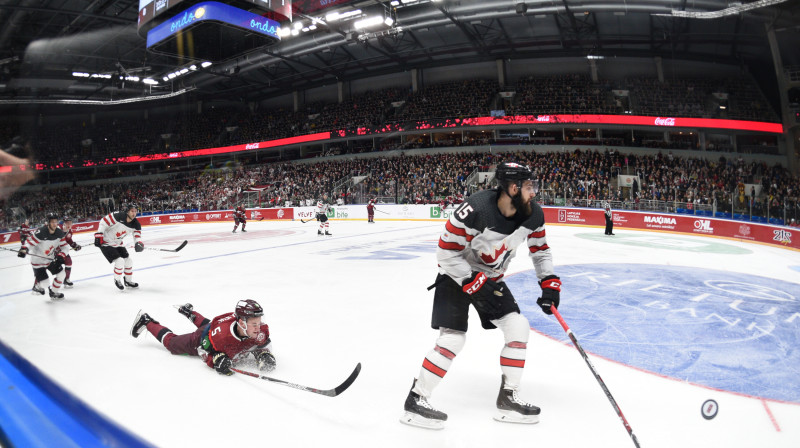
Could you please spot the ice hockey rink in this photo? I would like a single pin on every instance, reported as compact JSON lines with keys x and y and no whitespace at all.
{"x":668,"y":320}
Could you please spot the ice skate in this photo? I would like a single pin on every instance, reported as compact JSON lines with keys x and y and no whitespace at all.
{"x":513,"y":410}
{"x":68,"y":284}
{"x":186,"y":309}
{"x":319,"y":232}
{"x":140,"y":323}
{"x":243,"y":230}
{"x":131,"y":284}
{"x":119,"y":285}
{"x":37,"y":289}
{"x":55,"y":296}
{"x":328,"y":233}
{"x":234,"y":231}
{"x":420,"y":413}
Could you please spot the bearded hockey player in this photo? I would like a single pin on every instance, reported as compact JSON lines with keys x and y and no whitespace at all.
{"x":109,"y":237}
{"x":475,"y":249}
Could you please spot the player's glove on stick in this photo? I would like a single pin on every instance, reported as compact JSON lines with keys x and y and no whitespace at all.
{"x":485,"y":293}
{"x":60,"y":259}
{"x":22,"y":252}
{"x":266,"y":361}
{"x":77,"y":247}
{"x":222,"y":364}
{"x":98,"y":239}
{"x":139,"y":246}
{"x":551,"y":293}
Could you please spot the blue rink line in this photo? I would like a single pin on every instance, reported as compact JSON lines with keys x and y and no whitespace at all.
{"x":35,"y":412}
{"x":237,"y":253}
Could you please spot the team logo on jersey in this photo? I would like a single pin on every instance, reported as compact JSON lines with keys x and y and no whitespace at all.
{"x":121,"y":234}
{"x":490,"y":259}
{"x":261,"y":337}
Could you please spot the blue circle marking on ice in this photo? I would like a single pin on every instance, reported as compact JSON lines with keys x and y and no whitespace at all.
{"x":795,"y":268}
{"x":724,"y":330}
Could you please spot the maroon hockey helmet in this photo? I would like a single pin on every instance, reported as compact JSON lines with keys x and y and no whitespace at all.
{"x":248,"y":308}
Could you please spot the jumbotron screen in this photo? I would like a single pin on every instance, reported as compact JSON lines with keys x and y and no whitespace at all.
{"x":151,"y":9}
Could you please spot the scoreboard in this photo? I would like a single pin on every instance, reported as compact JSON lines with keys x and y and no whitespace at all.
{"x":152,"y":12}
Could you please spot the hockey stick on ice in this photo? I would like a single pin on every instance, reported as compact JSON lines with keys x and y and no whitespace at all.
{"x":328,"y":392}
{"x":596,"y":376}
{"x":181,"y":246}
{"x":381,"y":211}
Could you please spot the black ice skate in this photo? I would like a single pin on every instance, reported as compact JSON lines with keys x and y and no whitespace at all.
{"x":420,"y":413}
{"x":131,"y":284}
{"x":513,"y":410}
{"x":55,"y":296}
{"x":140,"y":323}
{"x":234,"y":231}
{"x":186,"y":310}
{"x":119,"y":285}
{"x":244,"y":230}
{"x":319,"y":232}
{"x":37,"y":289}
{"x":68,"y":284}
{"x":328,"y":233}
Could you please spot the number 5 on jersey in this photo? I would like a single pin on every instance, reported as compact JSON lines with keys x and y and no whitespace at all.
{"x":464,"y":211}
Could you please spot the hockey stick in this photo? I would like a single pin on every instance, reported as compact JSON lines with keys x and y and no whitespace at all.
{"x":307,"y":220}
{"x":32,"y":255}
{"x":328,"y":392}
{"x":381,"y":211}
{"x":181,"y":246}
{"x":596,"y":376}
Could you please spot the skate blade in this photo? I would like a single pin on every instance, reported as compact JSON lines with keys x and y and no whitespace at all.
{"x":421,"y":422}
{"x":515,"y":417}
{"x":56,"y":299}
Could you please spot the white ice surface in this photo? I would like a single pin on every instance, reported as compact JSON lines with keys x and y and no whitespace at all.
{"x":327,"y":313}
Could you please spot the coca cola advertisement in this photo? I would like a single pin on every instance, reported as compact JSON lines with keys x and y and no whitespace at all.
{"x":666,"y":121}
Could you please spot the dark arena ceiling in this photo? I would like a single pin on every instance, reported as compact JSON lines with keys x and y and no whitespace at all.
{"x":43,"y":42}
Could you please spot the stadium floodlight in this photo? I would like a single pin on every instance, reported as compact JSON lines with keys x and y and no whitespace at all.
{"x":205,"y":64}
{"x":395,"y":3}
{"x":312,"y":27}
{"x":388,"y":21}
{"x":172,"y":76}
{"x":332,"y":16}
{"x":732,"y":10}
{"x":192,"y":67}
{"x":80,"y":74}
{"x":284,"y":31}
{"x":297,"y":25}
{"x":368,"y":22}
{"x":166,"y":79}
{"x":150,"y":81}
{"x":295,"y":32}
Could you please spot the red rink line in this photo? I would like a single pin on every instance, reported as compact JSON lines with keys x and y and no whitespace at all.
{"x":771,"y":417}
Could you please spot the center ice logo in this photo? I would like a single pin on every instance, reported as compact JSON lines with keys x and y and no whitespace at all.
{"x":726,"y":330}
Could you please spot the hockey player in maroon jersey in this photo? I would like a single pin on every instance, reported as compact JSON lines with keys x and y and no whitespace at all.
{"x":44,"y":246}
{"x":475,"y":249}
{"x":371,"y":211}
{"x":67,"y":228}
{"x":110,"y":239}
{"x":220,"y":342}
{"x":239,"y":216}
{"x":25,"y":231}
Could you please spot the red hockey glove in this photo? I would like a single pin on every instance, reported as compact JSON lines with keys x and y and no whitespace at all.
{"x":551,"y":293}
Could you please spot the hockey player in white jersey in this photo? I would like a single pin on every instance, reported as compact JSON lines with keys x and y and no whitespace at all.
{"x":109,"y":237}
{"x":44,"y":246}
{"x":322,"y":217}
{"x":475,"y":249}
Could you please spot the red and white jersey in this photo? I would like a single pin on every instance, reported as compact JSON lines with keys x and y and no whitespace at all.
{"x":70,"y":244}
{"x":42,"y":246}
{"x":223,"y":338}
{"x":370,"y":206}
{"x":25,"y":230}
{"x":322,"y":208}
{"x":239,"y":212}
{"x":114,"y":229}
{"x":479,"y":238}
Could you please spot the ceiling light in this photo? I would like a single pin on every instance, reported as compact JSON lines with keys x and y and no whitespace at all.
{"x":150,"y":81}
{"x":388,"y":21}
{"x":205,"y":64}
{"x":369,"y":21}
{"x":80,"y":74}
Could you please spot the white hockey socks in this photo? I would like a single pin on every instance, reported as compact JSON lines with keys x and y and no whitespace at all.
{"x":128,"y":269}
{"x":516,"y":330}
{"x":119,"y":264}
{"x":438,"y":361}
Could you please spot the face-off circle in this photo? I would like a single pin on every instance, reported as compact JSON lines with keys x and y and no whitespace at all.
{"x":709,"y":409}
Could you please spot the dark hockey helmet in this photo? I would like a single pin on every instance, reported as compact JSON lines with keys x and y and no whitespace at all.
{"x":51,"y":216}
{"x":248,"y":308}
{"x":508,"y":172}
{"x":129,"y":206}
{"x":66,"y":219}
